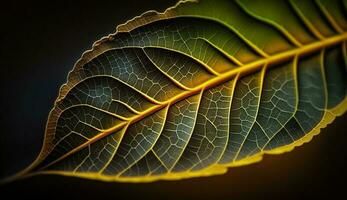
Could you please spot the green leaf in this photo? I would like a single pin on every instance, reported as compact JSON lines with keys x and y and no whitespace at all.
{"x":199,"y":88}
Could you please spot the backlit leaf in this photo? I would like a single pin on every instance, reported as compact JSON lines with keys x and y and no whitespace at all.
{"x":199,"y":88}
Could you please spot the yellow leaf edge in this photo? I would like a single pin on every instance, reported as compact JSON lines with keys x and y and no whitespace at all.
{"x":216,"y":169}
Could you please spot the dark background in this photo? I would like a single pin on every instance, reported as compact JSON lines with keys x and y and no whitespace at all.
{"x":41,"y":42}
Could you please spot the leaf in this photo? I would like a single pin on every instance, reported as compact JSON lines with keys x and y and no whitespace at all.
{"x":199,"y":88}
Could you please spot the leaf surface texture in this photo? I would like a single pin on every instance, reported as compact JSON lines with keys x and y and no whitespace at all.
{"x":199,"y":88}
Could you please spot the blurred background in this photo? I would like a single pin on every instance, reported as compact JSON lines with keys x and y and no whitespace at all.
{"x":39,"y":45}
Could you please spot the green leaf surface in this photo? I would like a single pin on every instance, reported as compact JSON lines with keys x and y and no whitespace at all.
{"x":199,"y":88}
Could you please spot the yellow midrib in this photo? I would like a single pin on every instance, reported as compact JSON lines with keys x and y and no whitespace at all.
{"x":242,"y":70}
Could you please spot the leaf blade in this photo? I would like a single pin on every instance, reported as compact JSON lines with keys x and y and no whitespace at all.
{"x":223,"y":64}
